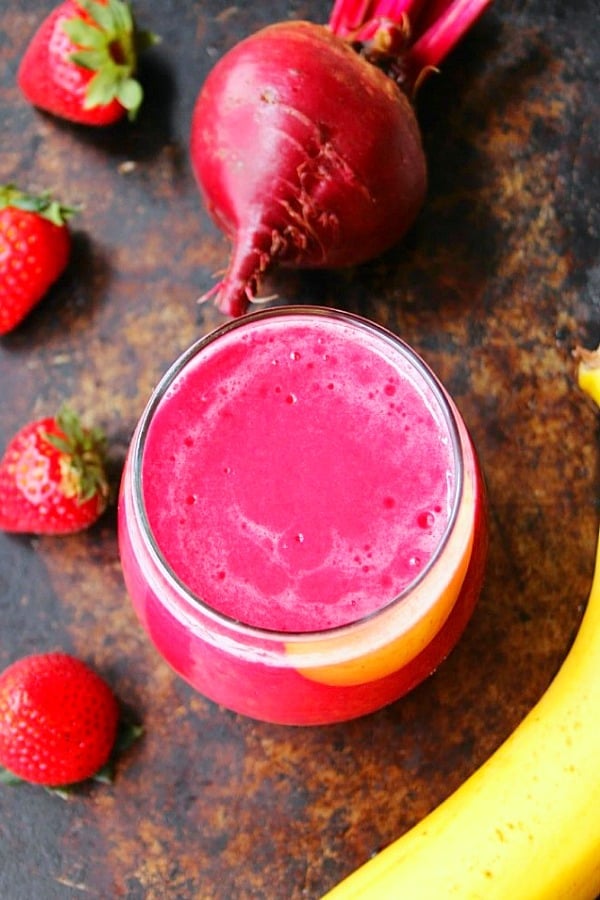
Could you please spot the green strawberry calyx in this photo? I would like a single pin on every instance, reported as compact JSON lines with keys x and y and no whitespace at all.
{"x":41,"y":204}
{"x":108,"y":43}
{"x":83,"y":458}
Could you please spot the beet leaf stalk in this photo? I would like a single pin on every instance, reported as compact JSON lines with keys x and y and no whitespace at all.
{"x":413,"y":35}
{"x":304,"y":140}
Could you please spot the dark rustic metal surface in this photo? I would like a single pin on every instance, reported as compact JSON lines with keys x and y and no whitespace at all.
{"x":496,"y":283}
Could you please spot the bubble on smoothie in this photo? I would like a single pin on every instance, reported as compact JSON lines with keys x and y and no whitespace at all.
{"x":426,"y":519}
{"x":174,"y":388}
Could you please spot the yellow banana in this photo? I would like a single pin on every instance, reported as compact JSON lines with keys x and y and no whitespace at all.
{"x":526,"y":825}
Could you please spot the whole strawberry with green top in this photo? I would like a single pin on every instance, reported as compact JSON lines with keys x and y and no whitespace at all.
{"x":81,"y":62}
{"x":35,"y":244}
{"x":52,"y":477}
{"x":58,"y":720}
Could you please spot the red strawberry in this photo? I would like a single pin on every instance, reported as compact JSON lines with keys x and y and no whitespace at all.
{"x":81,"y":61}
{"x":58,"y":719}
{"x":35,"y":244}
{"x":52,"y":478}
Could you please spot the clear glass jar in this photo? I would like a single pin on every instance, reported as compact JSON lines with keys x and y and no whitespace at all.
{"x":302,"y":521}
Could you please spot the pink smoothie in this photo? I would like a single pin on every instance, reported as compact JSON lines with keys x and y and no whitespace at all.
{"x":299,"y":478}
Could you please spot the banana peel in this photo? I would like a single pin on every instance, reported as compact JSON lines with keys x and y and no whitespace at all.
{"x":526,"y":825}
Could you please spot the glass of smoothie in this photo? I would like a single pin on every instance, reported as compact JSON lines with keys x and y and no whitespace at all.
{"x":302,"y":520}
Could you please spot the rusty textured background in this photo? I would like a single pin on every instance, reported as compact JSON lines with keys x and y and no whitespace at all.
{"x":495,"y":284}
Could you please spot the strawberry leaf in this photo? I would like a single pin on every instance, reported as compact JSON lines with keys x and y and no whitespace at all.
{"x":146,"y":39}
{"x":42,"y":205}
{"x":127,"y":734}
{"x":129,"y":95}
{"x":55,"y":212}
{"x":121,"y":15}
{"x":99,"y":12}
{"x":7,"y":777}
{"x":64,"y":793}
{"x":88,"y":59}
{"x":102,"y":88}
{"x":83,"y":35}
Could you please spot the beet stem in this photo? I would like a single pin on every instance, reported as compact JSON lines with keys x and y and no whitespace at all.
{"x":395,"y":9}
{"x":348,"y":15}
{"x":442,"y":35}
{"x":434,"y":10}
{"x":432,"y":29}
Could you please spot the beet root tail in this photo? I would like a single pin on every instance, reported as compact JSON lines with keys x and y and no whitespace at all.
{"x":242,"y":280}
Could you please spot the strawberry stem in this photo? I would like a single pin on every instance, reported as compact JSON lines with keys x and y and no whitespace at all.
{"x":407,"y":38}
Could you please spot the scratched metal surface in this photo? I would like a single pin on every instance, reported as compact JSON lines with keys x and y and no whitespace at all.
{"x":495,"y":284}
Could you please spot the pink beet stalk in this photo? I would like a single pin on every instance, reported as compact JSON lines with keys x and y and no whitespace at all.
{"x":429,"y":30}
{"x":347,"y":16}
{"x":304,"y":140}
{"x":441,"y":37}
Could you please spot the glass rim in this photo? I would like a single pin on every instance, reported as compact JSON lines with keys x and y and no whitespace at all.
{"x":136,"y":472}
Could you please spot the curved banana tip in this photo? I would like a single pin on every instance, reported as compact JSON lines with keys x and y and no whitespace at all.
{"x":588,"y":371}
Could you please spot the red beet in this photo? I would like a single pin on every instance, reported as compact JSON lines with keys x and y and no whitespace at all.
{"x":304,"y":141}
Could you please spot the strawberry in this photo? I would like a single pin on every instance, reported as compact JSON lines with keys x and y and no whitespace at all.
{"x":58,"y":719}
{"x":35,"y":244}
{"x":81,"y":62}
{"x":52,"y":478}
